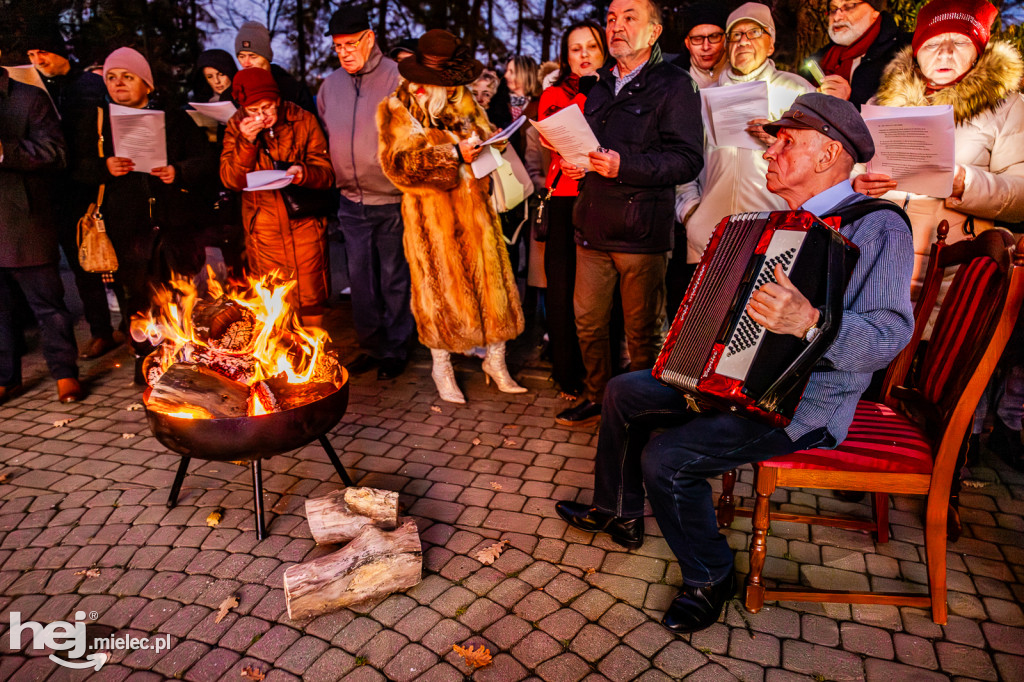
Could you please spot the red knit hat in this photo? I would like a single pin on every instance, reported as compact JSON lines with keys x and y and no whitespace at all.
{"x":253,"y":84}
{"x":972,"y":18}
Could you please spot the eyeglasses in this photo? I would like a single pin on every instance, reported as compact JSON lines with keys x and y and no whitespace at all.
{"x":713,"y":38}
{"x":845,"y":8}
{"x":350,"y":45}
{"x":750,"y":33}
{"x":931,"y":47}
{"x":265,"y":110}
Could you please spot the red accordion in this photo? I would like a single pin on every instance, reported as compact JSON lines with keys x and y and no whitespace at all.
{"x":720,"y":357}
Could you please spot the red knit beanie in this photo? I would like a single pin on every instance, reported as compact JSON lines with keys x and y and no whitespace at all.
{"x":972,"y":18}
{"x":252,"y":85}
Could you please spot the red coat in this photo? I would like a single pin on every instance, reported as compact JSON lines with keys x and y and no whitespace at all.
{"x":553,"y":100}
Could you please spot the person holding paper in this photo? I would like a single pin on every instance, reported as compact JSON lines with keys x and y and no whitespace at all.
{"x":270,"y":133}
{"x":645,"y":114}
{"x":152,"y":218}
{"x":463,"y":290}
{"x":733,"y":178}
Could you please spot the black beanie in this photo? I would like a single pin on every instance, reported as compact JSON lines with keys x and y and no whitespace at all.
{"x":708,"y":12}
{"x":220,"y":60}
{"x":47,"y":37}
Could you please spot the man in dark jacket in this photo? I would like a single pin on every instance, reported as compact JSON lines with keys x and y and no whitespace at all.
{"x":77,"y":95}
{"x":646,"y":116}
{"x":864,"y":39}
{"x":31,"y":148}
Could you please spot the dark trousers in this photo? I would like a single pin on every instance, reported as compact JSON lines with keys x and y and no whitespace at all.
{"x":379,"y":276}
{"x":674,"y":466}
{"x":89,"y":284}
{"x":560,"y":270}
{"x":44,"y":291}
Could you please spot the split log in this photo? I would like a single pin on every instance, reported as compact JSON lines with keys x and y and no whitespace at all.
{"x":193,"y":388}
{"x":375,"y":564}
{"x":240,"y":368}
{"x":224,"y":323}
{"x":341,"y":515}
{"x":277,"y":395}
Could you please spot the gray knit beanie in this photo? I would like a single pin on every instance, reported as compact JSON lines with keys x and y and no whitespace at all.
{"x":254,"y":37}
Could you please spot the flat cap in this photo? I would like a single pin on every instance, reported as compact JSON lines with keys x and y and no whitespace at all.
{"x":347,"y":21}
{"x":832,"y":117}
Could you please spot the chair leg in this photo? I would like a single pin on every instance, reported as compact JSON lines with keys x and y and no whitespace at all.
{"x":881,"y":501}
{"x":935,"y":550}
{"x":257,"y":491}
{"x":726,"y":502}
{"x":764,"y":486}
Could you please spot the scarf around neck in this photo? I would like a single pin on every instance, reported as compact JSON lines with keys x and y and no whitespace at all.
{"x":839,"y":59}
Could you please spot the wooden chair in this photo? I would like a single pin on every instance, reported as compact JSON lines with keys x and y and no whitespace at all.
{"x":909,"y":442}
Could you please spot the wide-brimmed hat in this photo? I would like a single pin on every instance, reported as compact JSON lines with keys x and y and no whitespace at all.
{"x":440,"y":59}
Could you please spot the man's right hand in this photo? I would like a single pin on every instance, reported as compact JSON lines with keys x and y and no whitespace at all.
{"x":571,"y":170}
{"x":873,"y":184}
{"x":250,"y":127}
{"x":118,"y":166}
{"x":837,"y":86}
{"x":470,"y":149}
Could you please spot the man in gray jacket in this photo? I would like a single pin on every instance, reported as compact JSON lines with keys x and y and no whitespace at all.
{"x":370,"y":211}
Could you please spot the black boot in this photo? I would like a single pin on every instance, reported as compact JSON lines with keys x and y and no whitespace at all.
{"x":628,"y":533}
{"x":1005,"y":442}
{"x":696,"y":608}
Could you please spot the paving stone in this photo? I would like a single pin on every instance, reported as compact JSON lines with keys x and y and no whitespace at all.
{"x":967,"y":661}
{"x":713,"y":639}
{"x":212,"y":665}
{"x":679,"y":659}
{"x":866,"y":640}
{"x":563,"y":624}
{"x":272,"y":643}
{"x":760,"y":648}
{"x":244,"y":633}
{"x":507,"y":631}
{"x":300,"y":655}
{"x":334,"y":664}
{"x":1004,"y":612}
{"x":565,"y":668}
{"x":623,"y":663}
{"x":417,"y":623}
{"x":622,"y":618}
{"x":535,"y":606}
{"x":443,"y":635}
{"x":649,"y":638}
{"x":887,"y":670}
{"x":536,"y":648}
{"x":963,"y":631}
{"x":357,"y":633}
{"x":772,"y":619}
{"x":915,"y":651}
{"x":503,"y":667}
{"x":812,"y":659}
{"x":1009,"y":667}
{"x":410,"y":663}
{"x":818,"y":630}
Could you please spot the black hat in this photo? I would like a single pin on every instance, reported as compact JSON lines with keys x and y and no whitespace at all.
{"x":441,"y":59}
{"x":832,"y":117}
{"x":712,"y":12}
{"x":46,"y":36}
{"x":403,"y":45}
{"x":348,"y":21}
{"x":218,"y":59}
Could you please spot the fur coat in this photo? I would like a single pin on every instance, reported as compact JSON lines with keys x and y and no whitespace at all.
{"x":463,"y":290}
{"x":989,"y":113}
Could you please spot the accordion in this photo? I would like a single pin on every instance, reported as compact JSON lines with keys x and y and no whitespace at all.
{"x":716,"y":354}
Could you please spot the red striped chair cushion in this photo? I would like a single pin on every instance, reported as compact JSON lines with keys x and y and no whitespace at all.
{"x":880,"y":440}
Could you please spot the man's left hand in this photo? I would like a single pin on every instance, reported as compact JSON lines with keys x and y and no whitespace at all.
{"x":605,"y":163}
{"x":780,"y":307}
{"x":837,"y":86}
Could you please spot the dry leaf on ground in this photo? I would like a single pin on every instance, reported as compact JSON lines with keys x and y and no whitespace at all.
{"x":474,"y":658}
{"x":89,"y":573}
{"x":476,"y":441}
{"x":509,"y":443}
{"x":495,"y":485}
{"x":63,"y":422}
{"x":591,"y":571}
{"x":134,"y":406}
{"x":251,"y":672}
{"x":225,"y":606}
{"x":128,"y":436}
{"x":487,"y":555}
{"x":4,"y":477}
{"x":214,"y":518}
{"x":435,"y":408}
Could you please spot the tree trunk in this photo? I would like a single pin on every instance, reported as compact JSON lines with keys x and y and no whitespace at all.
{"x":382,"y":22}
{"x":373,"y":565}
{"x":300,"y":26}
{"x":341,"y":515}
{"x":519,"y":30}
{"x":545,"y":38}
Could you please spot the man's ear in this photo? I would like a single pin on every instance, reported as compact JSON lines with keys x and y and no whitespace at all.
{"x":830,"y":155}
{"x":655,"y":34}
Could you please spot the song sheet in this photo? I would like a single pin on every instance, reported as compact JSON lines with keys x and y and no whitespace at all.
{"x":221,"y":112}
{"x":508,"y":132}
{"x":914,"y":146}
{"x":139,"y":135}
{"x":570,"y":134}
{"x":727,"y":110}
{"x":259,"y":181}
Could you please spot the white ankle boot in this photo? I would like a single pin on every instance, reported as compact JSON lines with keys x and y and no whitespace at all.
{"x":494,"y":368}
{"x":444,"y":377}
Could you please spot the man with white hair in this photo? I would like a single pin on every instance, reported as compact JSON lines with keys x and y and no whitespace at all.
{"x":863,"y":40}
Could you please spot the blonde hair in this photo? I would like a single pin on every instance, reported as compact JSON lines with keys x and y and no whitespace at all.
{"x":436,"y":100}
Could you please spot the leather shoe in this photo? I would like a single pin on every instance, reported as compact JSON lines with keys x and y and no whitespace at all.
{"x":8,"y":392}
{"x":69,"y":390}
{"x":585,"y":412}
{"x":1006,"y":443}
{"x":696,"y":608}
{"x":362,"y":364}
{"x":391,"y":368}
{"x":628,"y":533}
{"x":99,"y":345}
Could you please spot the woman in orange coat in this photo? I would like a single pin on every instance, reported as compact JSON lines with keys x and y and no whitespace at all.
{"x":268,"y":133}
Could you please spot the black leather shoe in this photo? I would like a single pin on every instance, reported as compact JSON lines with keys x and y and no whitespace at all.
{"x":696,"y":608}
{"x":1005,"y":442}
{"x":628,"y":533}
{"x":362,"y":364}
{"x":586,"y":412}
{"x":391,"y":368}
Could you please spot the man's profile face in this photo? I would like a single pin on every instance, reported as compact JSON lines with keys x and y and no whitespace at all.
{"x":706,"y":43}
{"x":748,"y":54}
{"x":792,"y":159}
{"x":629,"y":29}
{"x":48,"y":63}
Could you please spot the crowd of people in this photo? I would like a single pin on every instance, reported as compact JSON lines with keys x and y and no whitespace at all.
{"x":385,"y":150}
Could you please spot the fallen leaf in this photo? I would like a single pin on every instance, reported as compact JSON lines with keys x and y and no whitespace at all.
{"x":128,"y":436}
{"x":3,"y":478}
{"x":89,"y":573}
{"x":225,"y":606}
{"x":591,"y":571}
{"x":974,"y":483}
{"x":63,"y":422}
{"x":435,"y":408}
{"x":474,"y":658}
{"x":476,"y":441}
{"x":134,"y":406}
{"x":487,"y":555}
{"x":213,"y":520}
{"x":495,"y":485}
{"x":252,"y":673}
{"x":509,"y":443}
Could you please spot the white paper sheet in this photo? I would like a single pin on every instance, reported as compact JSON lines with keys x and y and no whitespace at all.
{"x":139,"y":135}
{"x":202,"y":120}
{"x":218,"y":111}
{"x":258,"y":181}
{"x":570,"y":134}
{"x":508,"y":132}
{"x":727,"y":110}
{"x":915,"y":146}
{"x":488,"y":161}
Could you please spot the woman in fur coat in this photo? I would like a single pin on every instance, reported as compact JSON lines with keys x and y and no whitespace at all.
{"x":463,"y":290}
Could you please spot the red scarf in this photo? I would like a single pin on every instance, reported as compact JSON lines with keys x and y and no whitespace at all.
{"x":838,"y":59}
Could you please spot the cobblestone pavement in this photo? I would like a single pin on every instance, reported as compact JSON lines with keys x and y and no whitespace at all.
{"x":557,"y":605}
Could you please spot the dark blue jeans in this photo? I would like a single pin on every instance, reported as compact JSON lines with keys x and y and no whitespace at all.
{"x":44,"y":291}
{"x":379,"y":276}
{"x":675,"y":466}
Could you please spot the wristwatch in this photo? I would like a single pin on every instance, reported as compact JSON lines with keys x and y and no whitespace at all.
{"x":812,"y":333}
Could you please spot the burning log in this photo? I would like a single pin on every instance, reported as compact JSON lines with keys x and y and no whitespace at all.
{"x":376,"y":563}
{"x":193,"y":389}
{"x":224,"y":323}
{"x":240,"y":368}
{"x":341,"y":515}
{"x":277,"y":395}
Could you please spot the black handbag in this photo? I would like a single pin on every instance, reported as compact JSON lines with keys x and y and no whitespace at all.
{"x":303,"y":202}
{"x":540,"y":219}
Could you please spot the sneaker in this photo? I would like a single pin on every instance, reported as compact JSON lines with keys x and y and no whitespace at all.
{"x":585,"y":412}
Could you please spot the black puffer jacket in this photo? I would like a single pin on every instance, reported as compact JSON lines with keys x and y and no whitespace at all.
{"x":654,"y":124}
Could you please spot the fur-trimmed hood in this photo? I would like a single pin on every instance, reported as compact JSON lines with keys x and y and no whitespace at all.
{"x":995,"y":76}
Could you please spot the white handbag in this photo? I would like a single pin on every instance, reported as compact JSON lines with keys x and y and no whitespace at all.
{"x":510,"y":182}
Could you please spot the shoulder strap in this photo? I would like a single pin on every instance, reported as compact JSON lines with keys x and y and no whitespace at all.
{"x":853,"y":212}
{"x":99,"y":147}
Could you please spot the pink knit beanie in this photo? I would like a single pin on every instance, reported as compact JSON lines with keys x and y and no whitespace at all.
{"x":130,"y":60}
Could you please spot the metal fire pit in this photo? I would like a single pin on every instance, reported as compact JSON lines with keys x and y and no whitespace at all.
{"x":252,"y":439}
